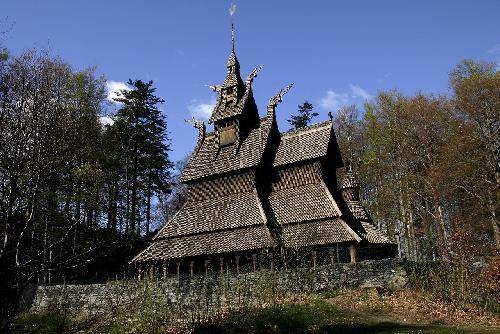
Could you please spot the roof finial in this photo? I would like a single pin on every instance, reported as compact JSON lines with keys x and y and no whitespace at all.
{"x":254,"y":73}
{"x":232,"y":10}
{"x":274,"y":100}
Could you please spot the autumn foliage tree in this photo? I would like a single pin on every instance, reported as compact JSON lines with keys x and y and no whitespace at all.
{"x":430,"y":164}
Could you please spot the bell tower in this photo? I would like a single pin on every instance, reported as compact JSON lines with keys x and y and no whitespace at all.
{"x":235,"y":113}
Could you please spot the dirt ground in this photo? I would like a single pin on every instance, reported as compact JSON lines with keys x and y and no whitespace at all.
{"x":413,"y":308}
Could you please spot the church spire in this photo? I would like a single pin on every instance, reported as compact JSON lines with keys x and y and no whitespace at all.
{"x":233,"y":77}
{"x":235,"y":103}
{"x":232,"y":37}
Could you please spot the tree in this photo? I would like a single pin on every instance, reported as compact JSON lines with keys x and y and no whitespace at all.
{"x":144,"y":146}
{"x":304,"y":117}
{"x":170,"y":203}
{"x":48,"y":170}
{"x":347,"y":125}
{"x":476,"y":87}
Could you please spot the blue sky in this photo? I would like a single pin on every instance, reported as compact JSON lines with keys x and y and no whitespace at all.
{"x":336,"y":52}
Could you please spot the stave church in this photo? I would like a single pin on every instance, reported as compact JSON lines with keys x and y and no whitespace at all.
{"x":257,"y":193}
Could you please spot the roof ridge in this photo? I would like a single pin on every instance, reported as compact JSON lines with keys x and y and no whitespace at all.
{"x":306,"y":128}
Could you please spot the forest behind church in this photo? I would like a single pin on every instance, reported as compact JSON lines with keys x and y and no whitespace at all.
{"x":430,"y":164}
{"x":79,"y":196}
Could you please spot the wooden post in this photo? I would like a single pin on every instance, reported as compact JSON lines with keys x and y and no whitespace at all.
{"x":313,"y":253}
{"x":178,"y":267}
{"x":221,"y":262}
{"x":332,"y":258}
{"x":207,"y":261}
{"x":338,"y":256}
{"x":271,"y":255}
{"x":237,"y":257}
{"x":165,"y":269}
{"x":191,"y":264}
{"x":352,"y":253}
{"x":254,"y":260}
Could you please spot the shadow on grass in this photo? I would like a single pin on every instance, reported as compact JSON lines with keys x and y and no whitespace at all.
{"x":41,"y":323}
{"x":315,"y":317}
{"x":380,"y":328}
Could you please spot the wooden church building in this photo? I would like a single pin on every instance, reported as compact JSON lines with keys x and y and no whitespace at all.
{"x":254,"y":190}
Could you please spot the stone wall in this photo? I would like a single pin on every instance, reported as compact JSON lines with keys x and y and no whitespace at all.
{"x":220,"y":290}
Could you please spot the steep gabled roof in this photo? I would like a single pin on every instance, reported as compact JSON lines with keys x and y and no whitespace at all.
{"x":307,"y":143}
{"x":315,"y":233}
{"x":228,"y":212}
{"x":212,"y":160}
{"x":303,"y":203}
{"x":221,"y":111}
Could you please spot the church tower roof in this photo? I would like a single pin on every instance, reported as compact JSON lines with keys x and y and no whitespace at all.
{"x":234,"y":94}
{"x":349,"y":181}
{"x":233,"y":77}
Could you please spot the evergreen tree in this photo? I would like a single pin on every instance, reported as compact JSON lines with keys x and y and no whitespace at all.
{"x":145,"y":146}
{"x":304,"y":117}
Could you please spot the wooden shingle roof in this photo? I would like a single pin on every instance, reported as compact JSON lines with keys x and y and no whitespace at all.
{"x":249,"y":238}
{"x":349,"y":181}
{"x":314,"y":233}
{"x":222,"y":111}
{"x":363,"y":224}
{"x":243,"y":93}
{"x":306,"y":143}
{"x":358,"y":210}
{"x":303,"y":203}
{"x":219,"y":213}
{"x":213,"y":160}
{"x":373,"y":235}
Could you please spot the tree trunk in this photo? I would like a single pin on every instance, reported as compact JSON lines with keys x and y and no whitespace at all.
{"x":494,"y":220}
{"x":148,"y":208}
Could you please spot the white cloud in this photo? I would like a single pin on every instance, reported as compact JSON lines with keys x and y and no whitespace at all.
{"x":332,"y":100}
{"x":106,"y":120}
{"x":199,"y":109}
{"x":113,"y":87}
{"x":384,"y":78}
{"x":495,"y":49}
{"x":359,"y":92}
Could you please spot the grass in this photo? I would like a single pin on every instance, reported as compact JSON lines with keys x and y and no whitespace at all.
{"x":42,"y":323}
{"x":341,"y":311}
{"x":317,"y":316}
